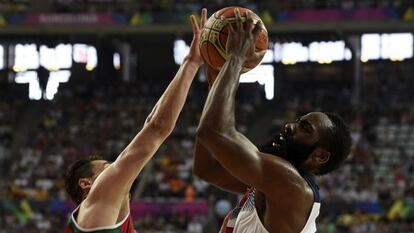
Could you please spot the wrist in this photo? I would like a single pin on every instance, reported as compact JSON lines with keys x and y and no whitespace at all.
{"x":237,"y":60}
{"x":192,"y":63}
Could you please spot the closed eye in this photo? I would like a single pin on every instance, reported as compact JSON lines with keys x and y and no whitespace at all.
{"x":306,"y":126}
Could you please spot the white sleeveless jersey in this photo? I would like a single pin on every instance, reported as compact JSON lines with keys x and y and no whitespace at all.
{"x":244,"y":218}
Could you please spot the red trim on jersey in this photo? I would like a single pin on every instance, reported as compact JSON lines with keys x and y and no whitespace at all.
{"x":68,"y":230}
{"x":128,"y":226}
{"x":224,"y":227}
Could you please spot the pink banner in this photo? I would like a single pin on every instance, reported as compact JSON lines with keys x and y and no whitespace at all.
{"x":376,"y":14}
{"x":69,"y":19}
{"x":141,"y":208}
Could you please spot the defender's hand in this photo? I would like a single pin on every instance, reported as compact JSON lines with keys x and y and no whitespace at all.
{"x":194,"y":54}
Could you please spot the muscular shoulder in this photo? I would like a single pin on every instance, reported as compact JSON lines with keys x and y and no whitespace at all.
{"x":284,"y":180}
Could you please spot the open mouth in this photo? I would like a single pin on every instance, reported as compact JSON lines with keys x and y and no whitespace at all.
{"x":284,"y":135}
{"x":279,"y":140}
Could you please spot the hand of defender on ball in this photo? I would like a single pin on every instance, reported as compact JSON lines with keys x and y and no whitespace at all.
{"x":241,"y":41}
{"x":194,"y":54}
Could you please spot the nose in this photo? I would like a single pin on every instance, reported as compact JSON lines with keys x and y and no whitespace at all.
{"x":290,"y":128}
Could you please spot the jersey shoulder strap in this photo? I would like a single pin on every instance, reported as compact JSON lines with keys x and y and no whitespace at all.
{"x":73,"y":227}
{"x":312,"y":184}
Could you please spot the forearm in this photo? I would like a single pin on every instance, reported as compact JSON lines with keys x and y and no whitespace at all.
{"x":219,"y":109}
{"x":170,"y":104}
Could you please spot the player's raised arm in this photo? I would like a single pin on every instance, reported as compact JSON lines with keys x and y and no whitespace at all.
{"x":217,"y":131}
{"x":206,"y":167}
{"x":108,"y":191}
{"x":162,"y":119}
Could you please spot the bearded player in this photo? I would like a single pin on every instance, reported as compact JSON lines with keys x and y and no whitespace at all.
{"x":101,"y":189}
{"x":281,"y":195}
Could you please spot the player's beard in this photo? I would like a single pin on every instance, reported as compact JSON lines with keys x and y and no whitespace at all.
{"x":290,"y":149}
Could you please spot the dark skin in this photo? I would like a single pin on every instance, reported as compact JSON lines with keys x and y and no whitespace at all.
{"x":226,"y":158}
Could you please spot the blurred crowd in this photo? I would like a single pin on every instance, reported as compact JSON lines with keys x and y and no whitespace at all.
{"x":372,"y":192}
{"x":80,"y":123}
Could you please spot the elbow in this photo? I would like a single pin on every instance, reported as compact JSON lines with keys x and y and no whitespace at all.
{"x":206,"y":135}
{"x":204,"y":173}
{"x":202,"y":132}
{"x":203,"y":161}
{"x":199,"y":172}
{"x":205,"y":132}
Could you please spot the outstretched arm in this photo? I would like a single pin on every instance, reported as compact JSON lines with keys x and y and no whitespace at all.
{"x":217,"y":131}
{"x":108,"y":191}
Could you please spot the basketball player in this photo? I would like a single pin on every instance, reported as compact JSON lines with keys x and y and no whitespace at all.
{"x":101,"y":189}
{"x":280,"y":193}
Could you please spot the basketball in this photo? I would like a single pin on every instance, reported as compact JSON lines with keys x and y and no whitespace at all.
{"x":214,"y":38}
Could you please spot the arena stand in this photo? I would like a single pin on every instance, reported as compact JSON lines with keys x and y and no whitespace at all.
{"x":80,"y":123}
{"x":373,"y":191}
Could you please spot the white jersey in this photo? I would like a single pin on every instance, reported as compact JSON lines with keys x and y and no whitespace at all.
{"x":244,"y":218}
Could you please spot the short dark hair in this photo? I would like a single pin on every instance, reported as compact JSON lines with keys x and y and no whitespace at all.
{"x":339,"y":143}
{"x":81,"y":168}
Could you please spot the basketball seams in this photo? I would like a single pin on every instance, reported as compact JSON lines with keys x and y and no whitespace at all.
{"x":215,"y":34}
{"x":208,"y":50}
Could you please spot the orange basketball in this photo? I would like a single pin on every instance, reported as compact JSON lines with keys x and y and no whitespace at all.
{"x":214,"y":38}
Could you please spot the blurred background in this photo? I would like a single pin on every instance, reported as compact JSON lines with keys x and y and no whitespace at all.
{"x":78,"y":78}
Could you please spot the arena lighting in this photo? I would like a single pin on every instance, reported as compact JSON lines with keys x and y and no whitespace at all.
{"x":290,"y":53}
{"x":30,"y":77}
{"x":92,"y":61}
{"x":180,"y":50}
{"x":392,"y":46}
{"x":55,"y":78}
{"x":88,"y":67}
{"x":269,"y":56}
{"x":264,"y":75}
{"x":397,"y":46}
{"x":322,"y":52}
{"x":370,"y":47}
{"x":29,"y":57}
{"x":57,"y":58}
{"x":1,"y":57}
{"x":26,"y":57}
{"x":327,"y":52}
{"x":35,"y":92}
{"x":83,"y":53}
{"x":80,"y":53}
{"x":116,"y":60}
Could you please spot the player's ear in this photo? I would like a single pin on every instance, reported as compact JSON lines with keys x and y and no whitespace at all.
{"x":321,"y":155}
{"x":85,"y":183}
